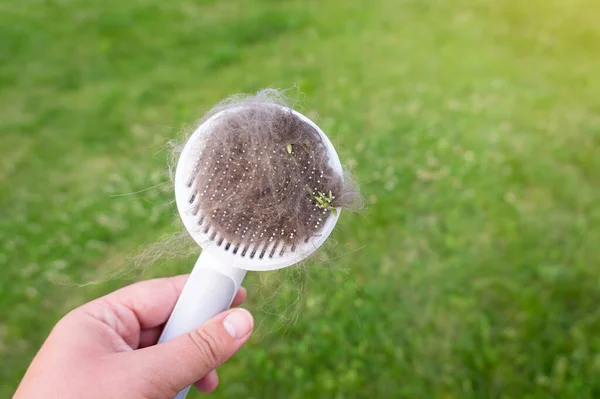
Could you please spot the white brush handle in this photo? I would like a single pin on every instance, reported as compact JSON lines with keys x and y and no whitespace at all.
{"x":209,"y":291}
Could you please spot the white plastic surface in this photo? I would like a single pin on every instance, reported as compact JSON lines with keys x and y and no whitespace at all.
{"x":222,"y":266}
{"x":242,"y":259}
{"x":209,"y":291}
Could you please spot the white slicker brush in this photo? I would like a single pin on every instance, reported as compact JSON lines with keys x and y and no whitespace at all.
{"x":231,"y":247}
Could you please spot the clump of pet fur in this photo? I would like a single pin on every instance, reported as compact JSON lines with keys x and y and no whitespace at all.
{"x":264,"y":174}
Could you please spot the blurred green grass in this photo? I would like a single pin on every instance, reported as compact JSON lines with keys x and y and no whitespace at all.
{"x":473,"y":126}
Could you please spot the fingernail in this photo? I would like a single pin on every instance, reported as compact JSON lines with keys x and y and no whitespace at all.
{"x":238,"y":323}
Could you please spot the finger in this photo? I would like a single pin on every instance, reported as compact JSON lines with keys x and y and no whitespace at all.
{"x":151,"y":301}
{"x":150,"y":336}
{"x":189,"y":357}
{"x":208,"y":383}
{"x":240,"y":297}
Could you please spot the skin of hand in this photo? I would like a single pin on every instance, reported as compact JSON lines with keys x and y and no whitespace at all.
{"x":106,"y":348}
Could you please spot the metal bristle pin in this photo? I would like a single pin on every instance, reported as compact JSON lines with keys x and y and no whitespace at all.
{"x":258,"y":186}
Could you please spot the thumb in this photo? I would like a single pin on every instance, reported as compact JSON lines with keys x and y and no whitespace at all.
{"x":175,"y":364}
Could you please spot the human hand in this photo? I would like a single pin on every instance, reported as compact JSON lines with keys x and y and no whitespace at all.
{"x":104,"y":349}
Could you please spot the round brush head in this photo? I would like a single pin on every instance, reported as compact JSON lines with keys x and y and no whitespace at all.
{"x":259,"y":185}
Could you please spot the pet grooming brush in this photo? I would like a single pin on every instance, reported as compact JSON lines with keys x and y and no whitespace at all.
{"x":258,"y":187}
